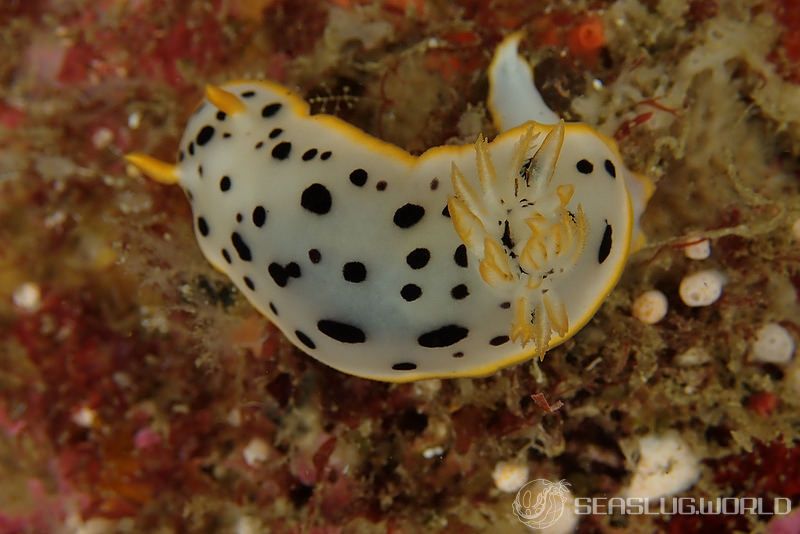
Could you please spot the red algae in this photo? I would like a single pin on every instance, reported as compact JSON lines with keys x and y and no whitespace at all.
{"x":586,"y":39}
{"x":787,"y":55}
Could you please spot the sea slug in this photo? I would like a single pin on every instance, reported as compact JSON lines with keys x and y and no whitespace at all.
{"x":397,"y":267}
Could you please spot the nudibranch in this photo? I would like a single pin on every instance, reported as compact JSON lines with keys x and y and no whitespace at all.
{"x":397,"y":267}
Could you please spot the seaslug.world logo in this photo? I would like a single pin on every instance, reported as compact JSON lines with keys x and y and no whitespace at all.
{"x":540,"y":503}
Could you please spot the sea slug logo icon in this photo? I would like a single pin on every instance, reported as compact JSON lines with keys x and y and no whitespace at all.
{"x":540,"y":503}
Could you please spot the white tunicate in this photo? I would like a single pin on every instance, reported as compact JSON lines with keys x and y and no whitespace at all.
{"x":666,"y":466}
{"x":510,"y":476}
{"x":773,"y":344}
{"x":650,"y":307}
{"x":702,"y":288}
{"x":698,"y":249}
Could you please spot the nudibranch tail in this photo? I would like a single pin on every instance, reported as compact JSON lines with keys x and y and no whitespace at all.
{"x":224,"y":101}
{"x":523,"y":234}
{"x":155,"y":169}
{"x":513,"y":97}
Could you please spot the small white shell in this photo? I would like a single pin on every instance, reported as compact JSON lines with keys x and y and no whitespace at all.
{"x":702,"y":288}
{"x":510,"y":476}
{"x":773,"y":344}
{"x":698,"y":250}
{"x":650,"y":307}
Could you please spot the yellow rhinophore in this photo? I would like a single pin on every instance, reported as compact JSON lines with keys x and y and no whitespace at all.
{"x":160,"y":171}
{"x":224,"y":100}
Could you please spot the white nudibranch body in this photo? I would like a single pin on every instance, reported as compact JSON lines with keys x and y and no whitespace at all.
{"x":395,"y":267}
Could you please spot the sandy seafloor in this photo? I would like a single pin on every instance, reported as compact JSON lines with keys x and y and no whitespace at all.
{"x":140,"y":392}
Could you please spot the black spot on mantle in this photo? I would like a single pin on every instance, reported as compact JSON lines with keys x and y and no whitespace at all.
{"x":354,"y":272}
{"x":461,"y":291}
{"x":317,"y":199}
{"x":205,"y":135}
{"x":259,"y":216}
{"x":418,"y":258}
{"x":342,"y":332}
{"x":411,"y":292}
{"x":605,"y":245}
{"x":460,"y":256}
{"x":358,"y":177}
{"x":271,"y":109}
{"x":499,"y":340}
{"x":241,"y":247}
{"x":408,"y":215}
{"x":443,"y":337}
{"x":305,"y":340}
{"x":282,"y":150}
{"x":610,"y":169}
{"x":584,"y":166}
